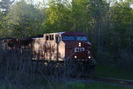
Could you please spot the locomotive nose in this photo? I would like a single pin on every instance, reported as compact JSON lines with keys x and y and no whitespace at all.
{"x":82,"y":51}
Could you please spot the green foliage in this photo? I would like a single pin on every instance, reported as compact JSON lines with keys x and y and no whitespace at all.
{"x":5,"y":5}
{"x":58,"y":17}
{"x":121,"y":21}
{"x":1,"y":30}
{"x":3,"y":26}
{"x":62,"y":16}
{"x":24,"y":20}
{"x":109,"y":26}
{"x":80,"y":16}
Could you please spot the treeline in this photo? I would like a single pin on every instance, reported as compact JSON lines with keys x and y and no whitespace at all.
{"x":109,"y":24}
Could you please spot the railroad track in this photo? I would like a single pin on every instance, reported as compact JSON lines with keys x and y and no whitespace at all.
{"x":112,"y":80}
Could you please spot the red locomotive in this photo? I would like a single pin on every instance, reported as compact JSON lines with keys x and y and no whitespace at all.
{"x":58,"y":47}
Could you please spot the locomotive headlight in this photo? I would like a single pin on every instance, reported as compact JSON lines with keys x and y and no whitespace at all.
{"x":75,"y":56}
{"x":89,"y":57}
{"x":79,"y":44}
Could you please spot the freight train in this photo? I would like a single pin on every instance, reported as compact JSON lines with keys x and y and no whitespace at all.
{"x":62,"y":48}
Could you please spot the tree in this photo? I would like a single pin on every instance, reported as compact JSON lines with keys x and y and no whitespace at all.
{"x":122,"y":20}
{"x":4,"y":10}
{"x":99,"y":24}
{"x":57,"y":16}
{"x":1,"y":30}
{"x":24,"y":20}
{"x":62,"y":16}
{"x":79,"y":15}
{"x":5,"y":5}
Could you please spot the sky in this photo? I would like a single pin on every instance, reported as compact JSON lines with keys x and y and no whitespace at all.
{"x":35,"y":1}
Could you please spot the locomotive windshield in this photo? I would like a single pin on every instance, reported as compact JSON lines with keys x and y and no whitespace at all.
{"x":68,"y":38}
{"x":81,"y":38}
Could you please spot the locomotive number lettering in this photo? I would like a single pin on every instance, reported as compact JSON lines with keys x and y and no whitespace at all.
{"x":77,"y":49}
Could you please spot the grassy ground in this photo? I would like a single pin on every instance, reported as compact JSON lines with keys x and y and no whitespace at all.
{"x":40,"y":82}
{"x":78,"y":85}
{"x":109,"y":72}
{"x":96,"y":85}
{"x":101,"y":71}
{"x":89,"y":85}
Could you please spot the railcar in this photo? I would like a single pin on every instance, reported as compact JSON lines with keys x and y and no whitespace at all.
{"x":67,"y":48}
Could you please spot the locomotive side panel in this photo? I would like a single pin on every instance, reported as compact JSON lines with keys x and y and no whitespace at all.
{"x":50,"y":47}
{"x":38,"y":49}
{"x":61,"y":52}
{"x":45,"y":48}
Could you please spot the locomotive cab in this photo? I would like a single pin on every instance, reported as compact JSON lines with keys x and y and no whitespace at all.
{"x":77,"y":49}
